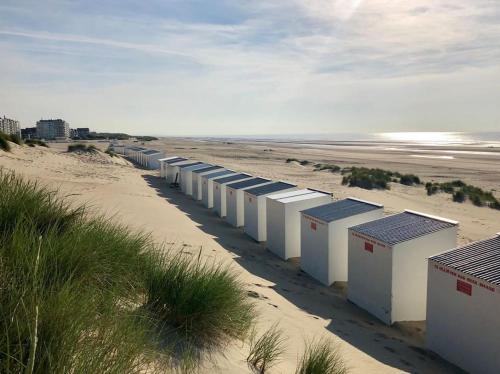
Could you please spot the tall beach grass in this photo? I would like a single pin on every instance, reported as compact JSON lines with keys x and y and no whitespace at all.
{"x":321,"y":357}
{"x":81,"y":294}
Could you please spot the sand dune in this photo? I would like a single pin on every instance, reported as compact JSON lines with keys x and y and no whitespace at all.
{"x":281,"y":291}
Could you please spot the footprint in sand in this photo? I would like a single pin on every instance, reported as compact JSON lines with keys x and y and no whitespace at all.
{"x":392,"y":350}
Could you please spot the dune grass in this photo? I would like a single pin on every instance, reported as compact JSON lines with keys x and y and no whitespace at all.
{"x":4,"y":142}
{"x":462,"y":192}
{"x":80,"y":147}
{"x":66,"y":281}
{"x":321,"y":357}
{"x":204,"y":303}
{"x":34,"y":142}
{"x":81,"y":294}
{"x":266,"y":350}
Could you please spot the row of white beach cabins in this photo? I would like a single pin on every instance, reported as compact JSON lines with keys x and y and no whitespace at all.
{"x":401,"y":267}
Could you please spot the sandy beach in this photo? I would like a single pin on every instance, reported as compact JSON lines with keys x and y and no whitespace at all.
{"x":282,"y":293}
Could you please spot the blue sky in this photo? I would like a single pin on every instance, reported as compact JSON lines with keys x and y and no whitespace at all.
{"x":253,"y":67}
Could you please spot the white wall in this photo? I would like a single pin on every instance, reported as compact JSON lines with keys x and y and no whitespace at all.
{"x":292,"y":225}
{"x":409,"y":273}
{"x":275,"y":226}
{"x":331,"y":245}
{"x":314,"y":248}
{"x":220,"y":199}
{"x":370,"y":275}
{"x":463,"y":329}
{"x":251,"y":212}
{"x":232,"y":206}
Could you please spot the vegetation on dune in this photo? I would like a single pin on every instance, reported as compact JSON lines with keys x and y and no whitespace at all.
{"x":330,"y":167}
{"x":34,"y":142}
{"x":4,"y":142}
{"x":301,"y":162}
{"x":367,"y":178}
{"x":205,"y":303}
{"x":461,"y":192}
{"x":111,"y":153}
{"x":321,"y":357}
{"x":266,"y":350}
{"x":146,"y":138}
{"x":376,"y":178}
{"x":81,"y":294}
{"x":83,"y":148}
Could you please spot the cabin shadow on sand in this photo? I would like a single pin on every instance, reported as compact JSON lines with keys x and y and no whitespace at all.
{"x":398,"y":348}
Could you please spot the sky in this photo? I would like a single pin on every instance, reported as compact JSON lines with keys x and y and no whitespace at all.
{"x":231,"y":67}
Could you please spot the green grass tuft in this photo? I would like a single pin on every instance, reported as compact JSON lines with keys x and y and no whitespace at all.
{"x":205,"y":303}
{"x":461,"y":192}
{"x":4,"y":142}
{"x":321,"y":357}
{"x":80,"y":147}
{"x":33,"y":142}
{"x":330,"y":167}
{"x":71,"y":285}
{"x":266,"y":350}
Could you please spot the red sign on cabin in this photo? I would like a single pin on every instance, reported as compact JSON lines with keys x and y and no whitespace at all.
{"x":369,"y":247}
{"x":464,"y":287}
{"x":313,"y":226}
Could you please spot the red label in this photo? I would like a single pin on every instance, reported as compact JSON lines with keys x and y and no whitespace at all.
{"x":313,"y":226}
{"x":368,"y":247}
{"x":464,"y":287}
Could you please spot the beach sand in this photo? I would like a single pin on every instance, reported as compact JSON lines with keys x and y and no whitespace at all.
{"x":282,"y":293}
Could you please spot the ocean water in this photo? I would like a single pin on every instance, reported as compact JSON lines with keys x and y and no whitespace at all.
{"x":479,"y":139}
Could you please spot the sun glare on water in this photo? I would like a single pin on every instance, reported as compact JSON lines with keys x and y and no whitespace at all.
{"x":430,"y":138}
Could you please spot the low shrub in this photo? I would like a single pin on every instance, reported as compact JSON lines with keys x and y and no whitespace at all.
{"x":301,"y":162}
{"x":15,"y":138}
{"x":459,"y":196}
{"x":367,"y":178}
{"x":206,"y":303}
{"x":111,"y":153}
{"x":4,"y":142}
{"x":331,"y":167}
{"x":461,"y":191}
{"x":266,"y":350}
{"x":409,"y":180}
{"x":33,"y":142}
{"x":83,"y":148}
{"x":68,"y":284}
{"x":321,"y":357}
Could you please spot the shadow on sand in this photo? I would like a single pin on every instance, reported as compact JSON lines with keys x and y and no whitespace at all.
{"x":397,"y":347}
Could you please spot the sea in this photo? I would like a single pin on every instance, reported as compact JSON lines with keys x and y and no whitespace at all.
{"x":436,"y":139}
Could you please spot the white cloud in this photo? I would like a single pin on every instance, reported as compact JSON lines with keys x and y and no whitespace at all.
{"x":327,"y":64}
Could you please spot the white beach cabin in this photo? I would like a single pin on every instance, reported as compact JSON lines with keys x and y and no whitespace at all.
{"x":164,"y":164}
{"x":140,"y":156}
{"x":151,"y":159}
{"x":174,"y":170}
{"x":187,"y":177}
{"x":283,"y":219}
{"x":220,"y":191}
{"x":387,"y":263}
{"x":235,"y":204}
{"x":324,"y":234}
{"x":196,"y":180}
{"x":207,"y":191}
{"x":463,"y":306}
{"x":118,"y":148}
{"x":255,"y":207}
